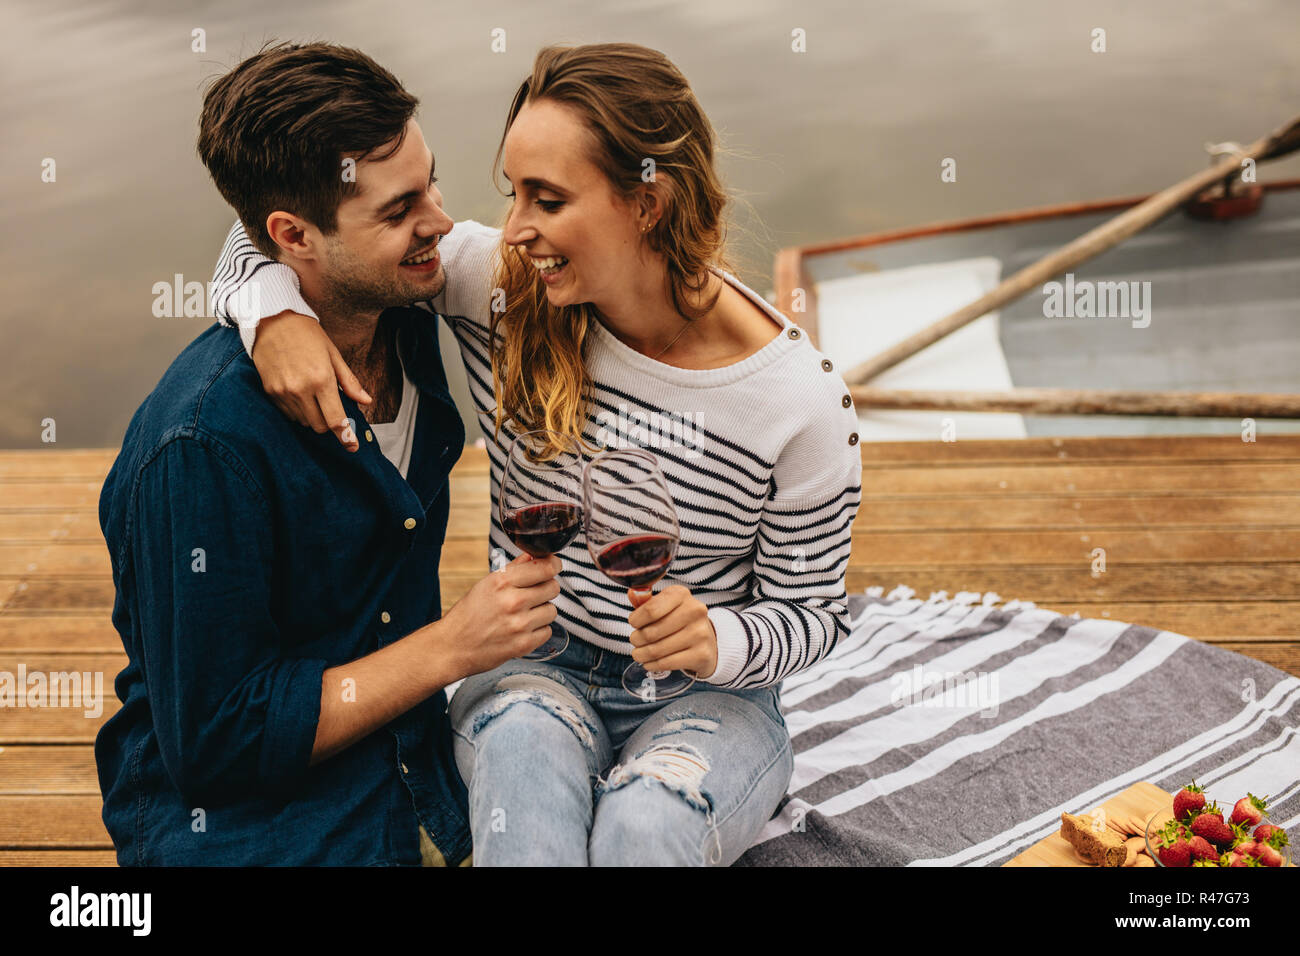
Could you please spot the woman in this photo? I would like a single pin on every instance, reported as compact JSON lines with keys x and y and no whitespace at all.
{"x":616,"y":324}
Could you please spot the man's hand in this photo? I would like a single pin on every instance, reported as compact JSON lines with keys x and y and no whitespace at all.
{"x":506,"y":614}
{"x":673,"y":632}
{"x":302,"y":373}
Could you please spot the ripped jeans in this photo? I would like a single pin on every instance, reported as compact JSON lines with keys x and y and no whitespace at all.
{"x":696,"y":778}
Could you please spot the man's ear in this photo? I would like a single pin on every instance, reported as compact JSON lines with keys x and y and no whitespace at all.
{"x":292,"y":235}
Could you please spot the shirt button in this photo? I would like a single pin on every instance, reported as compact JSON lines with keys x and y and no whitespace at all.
{"x":793,"y":333}
{"x":853,"y":439}
{"x":404,"y":770}
{"x":846,"y":401}
{"x":370,"y":436}
{"x":410,"y":523}
{"x":826,"y":365}
{"x":386,"y":617}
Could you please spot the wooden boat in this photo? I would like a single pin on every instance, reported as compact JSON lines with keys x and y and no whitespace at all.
{"x":1221,"y":298}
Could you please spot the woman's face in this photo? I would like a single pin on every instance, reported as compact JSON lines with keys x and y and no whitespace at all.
{"x":566,"y":209}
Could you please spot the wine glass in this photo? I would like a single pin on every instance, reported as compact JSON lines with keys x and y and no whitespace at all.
{"x":632,"y":534}
{"x":541,"y":507}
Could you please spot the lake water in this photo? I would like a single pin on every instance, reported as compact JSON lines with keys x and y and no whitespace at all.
{"x":844,"y":138}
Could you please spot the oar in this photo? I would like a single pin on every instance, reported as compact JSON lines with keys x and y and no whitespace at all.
{"x":1284,"y":140}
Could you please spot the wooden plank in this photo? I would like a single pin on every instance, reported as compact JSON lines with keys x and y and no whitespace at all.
{"x":58,"y":858}
{"x":1211,"y":621}
{"x":86,"y":464}
{"x":52,"y":821}
{"x":71,"y":724}
{"x":1048,"y":586}
{"x":999,"y":547}
{"x":1105,"y":478}
{"x":473,"y":461}
{"x":48,"y":769}
{"x":1283,"y":656}
{"x":1050,"y":513}
{"x":472,"y":487}
{"x":79,"y":527}
{"x":48,"y":496}
{"x":46,"y":559}
{"x":81,"y":595}
{"x":75,"y":633}
{"x":1079,"y":401}
{"x":1180,"y":449}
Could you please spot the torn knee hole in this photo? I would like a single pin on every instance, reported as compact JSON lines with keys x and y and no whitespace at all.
{"x":688,"y":721}
{"x":548,"y":695}
{"x":679,"y":767}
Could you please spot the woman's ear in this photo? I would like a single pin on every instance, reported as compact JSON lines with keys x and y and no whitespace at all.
{"x":652,"y":202}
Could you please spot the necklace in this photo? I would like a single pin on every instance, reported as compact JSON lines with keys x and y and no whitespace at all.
{"x":675,"y":338}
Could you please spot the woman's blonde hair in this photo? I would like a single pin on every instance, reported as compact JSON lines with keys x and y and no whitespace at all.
{"x":637,"y":106}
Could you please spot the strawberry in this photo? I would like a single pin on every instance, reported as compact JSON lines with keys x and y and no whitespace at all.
{"x":1202,"y":850}
{"x":1188,"y":800}
{"x":1268,"y":855}
{"x":1209,"y":824}
{"x":1243,"y":859}
{"x":1240,"y":834}
{"x":1266,"y":832}
{"x":1249,"y":810}
{"x":1211,"y":809}
{"x":1178,"y":853}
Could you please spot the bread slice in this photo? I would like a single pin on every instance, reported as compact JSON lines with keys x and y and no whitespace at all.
{"x":1101,"y":846}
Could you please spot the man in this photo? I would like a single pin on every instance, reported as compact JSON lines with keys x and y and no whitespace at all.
{"x":277,"y":594}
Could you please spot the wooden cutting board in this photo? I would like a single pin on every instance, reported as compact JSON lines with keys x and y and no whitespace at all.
{"x":1137,"y":802}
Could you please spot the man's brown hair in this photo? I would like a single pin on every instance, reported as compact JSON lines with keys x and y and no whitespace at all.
{"x":275,"y":131}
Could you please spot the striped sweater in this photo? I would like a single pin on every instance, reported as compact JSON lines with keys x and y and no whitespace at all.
{"x":760,"y":457}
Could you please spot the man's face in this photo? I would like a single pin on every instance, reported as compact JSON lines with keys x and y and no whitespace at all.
{"x":394,"y":220}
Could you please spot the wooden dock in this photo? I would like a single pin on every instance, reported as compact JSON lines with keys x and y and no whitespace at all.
{"x":1201,"y":535}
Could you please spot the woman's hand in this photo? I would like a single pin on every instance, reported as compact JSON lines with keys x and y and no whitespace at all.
{"x":673,"y":632}
{"x":302,"y":372}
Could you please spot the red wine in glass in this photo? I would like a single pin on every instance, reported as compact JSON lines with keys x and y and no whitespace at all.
{"x":541,"y":530}
{"x":540,"y":509}
{"x":630,"y":523}
{"x":637,"y":562}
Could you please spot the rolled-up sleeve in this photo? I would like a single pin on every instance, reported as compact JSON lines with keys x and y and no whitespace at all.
{"x":234,"y":716}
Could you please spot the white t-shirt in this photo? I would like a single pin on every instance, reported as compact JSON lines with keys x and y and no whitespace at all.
{"x":396,"y":437}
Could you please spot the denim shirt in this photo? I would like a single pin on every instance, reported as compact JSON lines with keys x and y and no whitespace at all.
{"x":250,"y":554}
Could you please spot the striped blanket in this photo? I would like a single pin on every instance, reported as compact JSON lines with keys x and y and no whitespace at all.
{"x":955,"y":732}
